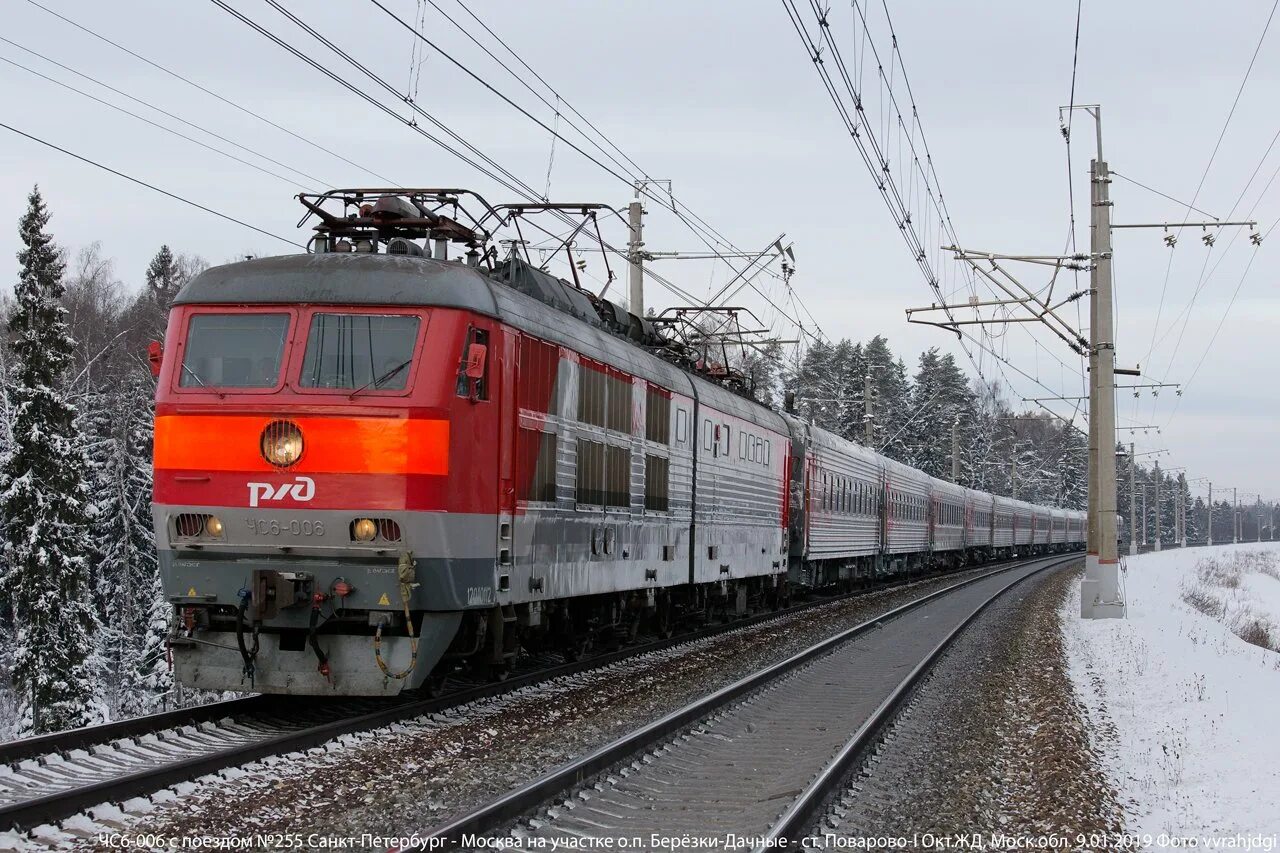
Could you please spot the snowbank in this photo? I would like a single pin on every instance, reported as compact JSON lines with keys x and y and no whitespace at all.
{"x":1183,"y":711}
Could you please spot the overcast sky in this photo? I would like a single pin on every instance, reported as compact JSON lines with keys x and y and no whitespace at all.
{"x":721,"y":98}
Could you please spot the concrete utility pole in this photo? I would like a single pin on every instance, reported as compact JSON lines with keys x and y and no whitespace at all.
{"x":1182,"y":510}
{"x":1100,"y":591}
{"x":868,"y":410}
{"x":1235,"y":516}
{"x":1144,"y":516}
{"x":955,"y":452}
{"x":1211,"y":512}
{"x":1013,"y":474}
{"x":1133,"y":501}
{"x":635,"y":257}
{"x":1156,"y":547}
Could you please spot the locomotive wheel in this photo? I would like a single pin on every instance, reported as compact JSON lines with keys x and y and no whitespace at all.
{"x":577,"y":649}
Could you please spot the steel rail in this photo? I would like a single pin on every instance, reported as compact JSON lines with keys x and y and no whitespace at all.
{"x":806,"y":808}
{"x":520,"y":801}
{"x":59,"y":743}
{"x":54,"y":807}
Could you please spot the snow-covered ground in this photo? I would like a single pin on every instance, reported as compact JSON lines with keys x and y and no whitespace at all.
{"x":1185,"y":713}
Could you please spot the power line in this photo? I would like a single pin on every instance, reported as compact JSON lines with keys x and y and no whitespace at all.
{"x":852,"y":115}
{"x":148,"y":121}
{"x":176,"y":118}
{"x":1116,"y":174}
{"x":1212,"y":156}
{"x":152,"y":187}
{"x":209,"y":92}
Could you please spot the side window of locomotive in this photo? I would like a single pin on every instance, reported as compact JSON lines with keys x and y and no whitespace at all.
{"x":682,"y":426}
{"x":592,"y":390}
{"x":233,"y":350}
{"x":474,"y":358}
{"x":657,"y":416}
{"x":372,"y":352}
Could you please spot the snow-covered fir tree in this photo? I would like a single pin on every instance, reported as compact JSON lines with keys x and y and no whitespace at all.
{"x":44,"y":500}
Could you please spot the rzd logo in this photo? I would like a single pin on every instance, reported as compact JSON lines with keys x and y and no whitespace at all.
{"x":302,"y":490}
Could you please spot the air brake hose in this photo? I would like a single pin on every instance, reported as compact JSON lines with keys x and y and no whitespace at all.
{"x":249,"y":655}
{"x":406,"y":570}
{"x":316,"y":601}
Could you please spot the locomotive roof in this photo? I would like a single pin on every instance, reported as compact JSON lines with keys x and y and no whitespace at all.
{"x":341,"y":278}
{"x":380,"y":279}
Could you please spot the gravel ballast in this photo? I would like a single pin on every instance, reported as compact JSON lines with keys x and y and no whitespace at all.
{"x":994,"y":742}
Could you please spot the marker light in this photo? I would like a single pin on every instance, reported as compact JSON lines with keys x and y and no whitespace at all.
{"x":282,"y":443}
{"x":213,"y":527}
{"x":364,"y":529}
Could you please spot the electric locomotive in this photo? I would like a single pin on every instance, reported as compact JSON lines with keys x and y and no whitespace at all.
{"x":399,"y":453}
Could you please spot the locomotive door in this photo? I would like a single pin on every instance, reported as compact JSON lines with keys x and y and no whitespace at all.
{"x":508,"y":415}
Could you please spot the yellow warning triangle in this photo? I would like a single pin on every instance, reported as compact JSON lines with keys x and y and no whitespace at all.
{"x":383,"y":600}
{"x":192,"y":592}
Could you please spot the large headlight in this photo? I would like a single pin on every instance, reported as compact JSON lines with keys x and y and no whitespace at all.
{"x":364,"y":529}
{"x":282,"y":443}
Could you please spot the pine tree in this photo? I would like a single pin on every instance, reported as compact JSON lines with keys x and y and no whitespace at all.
{"x":144,"y":674}
{"x":162,"y":276}
{"x":43,"y":498}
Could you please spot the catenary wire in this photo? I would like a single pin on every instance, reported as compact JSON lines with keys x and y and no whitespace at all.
{"x":152,"y":187}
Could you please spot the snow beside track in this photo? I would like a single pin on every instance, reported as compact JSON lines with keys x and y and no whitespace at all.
{"x":1183,"y":711}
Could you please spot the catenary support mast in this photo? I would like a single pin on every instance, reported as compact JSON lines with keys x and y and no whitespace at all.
{"x":1100,"y":590}
{"x":1133,"y":501}
{"x":1158,"y":519}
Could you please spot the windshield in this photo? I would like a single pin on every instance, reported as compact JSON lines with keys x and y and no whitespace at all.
{"x":233,"y":350}
{"x":358,"y":351}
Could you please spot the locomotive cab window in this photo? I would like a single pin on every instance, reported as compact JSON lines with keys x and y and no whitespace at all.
{"x":233,"y":350}
{"x":366,"y":352}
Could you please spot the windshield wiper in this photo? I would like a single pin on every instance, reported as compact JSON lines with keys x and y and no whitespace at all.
{"x":383,"y":378}
{"x":194,"y":375}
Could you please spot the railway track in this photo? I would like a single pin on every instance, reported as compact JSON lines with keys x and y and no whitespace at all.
{"x":47,"y":779}
{"x":759,"y":758}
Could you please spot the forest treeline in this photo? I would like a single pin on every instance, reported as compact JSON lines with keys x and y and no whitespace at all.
{"x":83,"y":618}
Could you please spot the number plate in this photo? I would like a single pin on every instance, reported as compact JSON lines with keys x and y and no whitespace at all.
{"x":285,"y":527}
